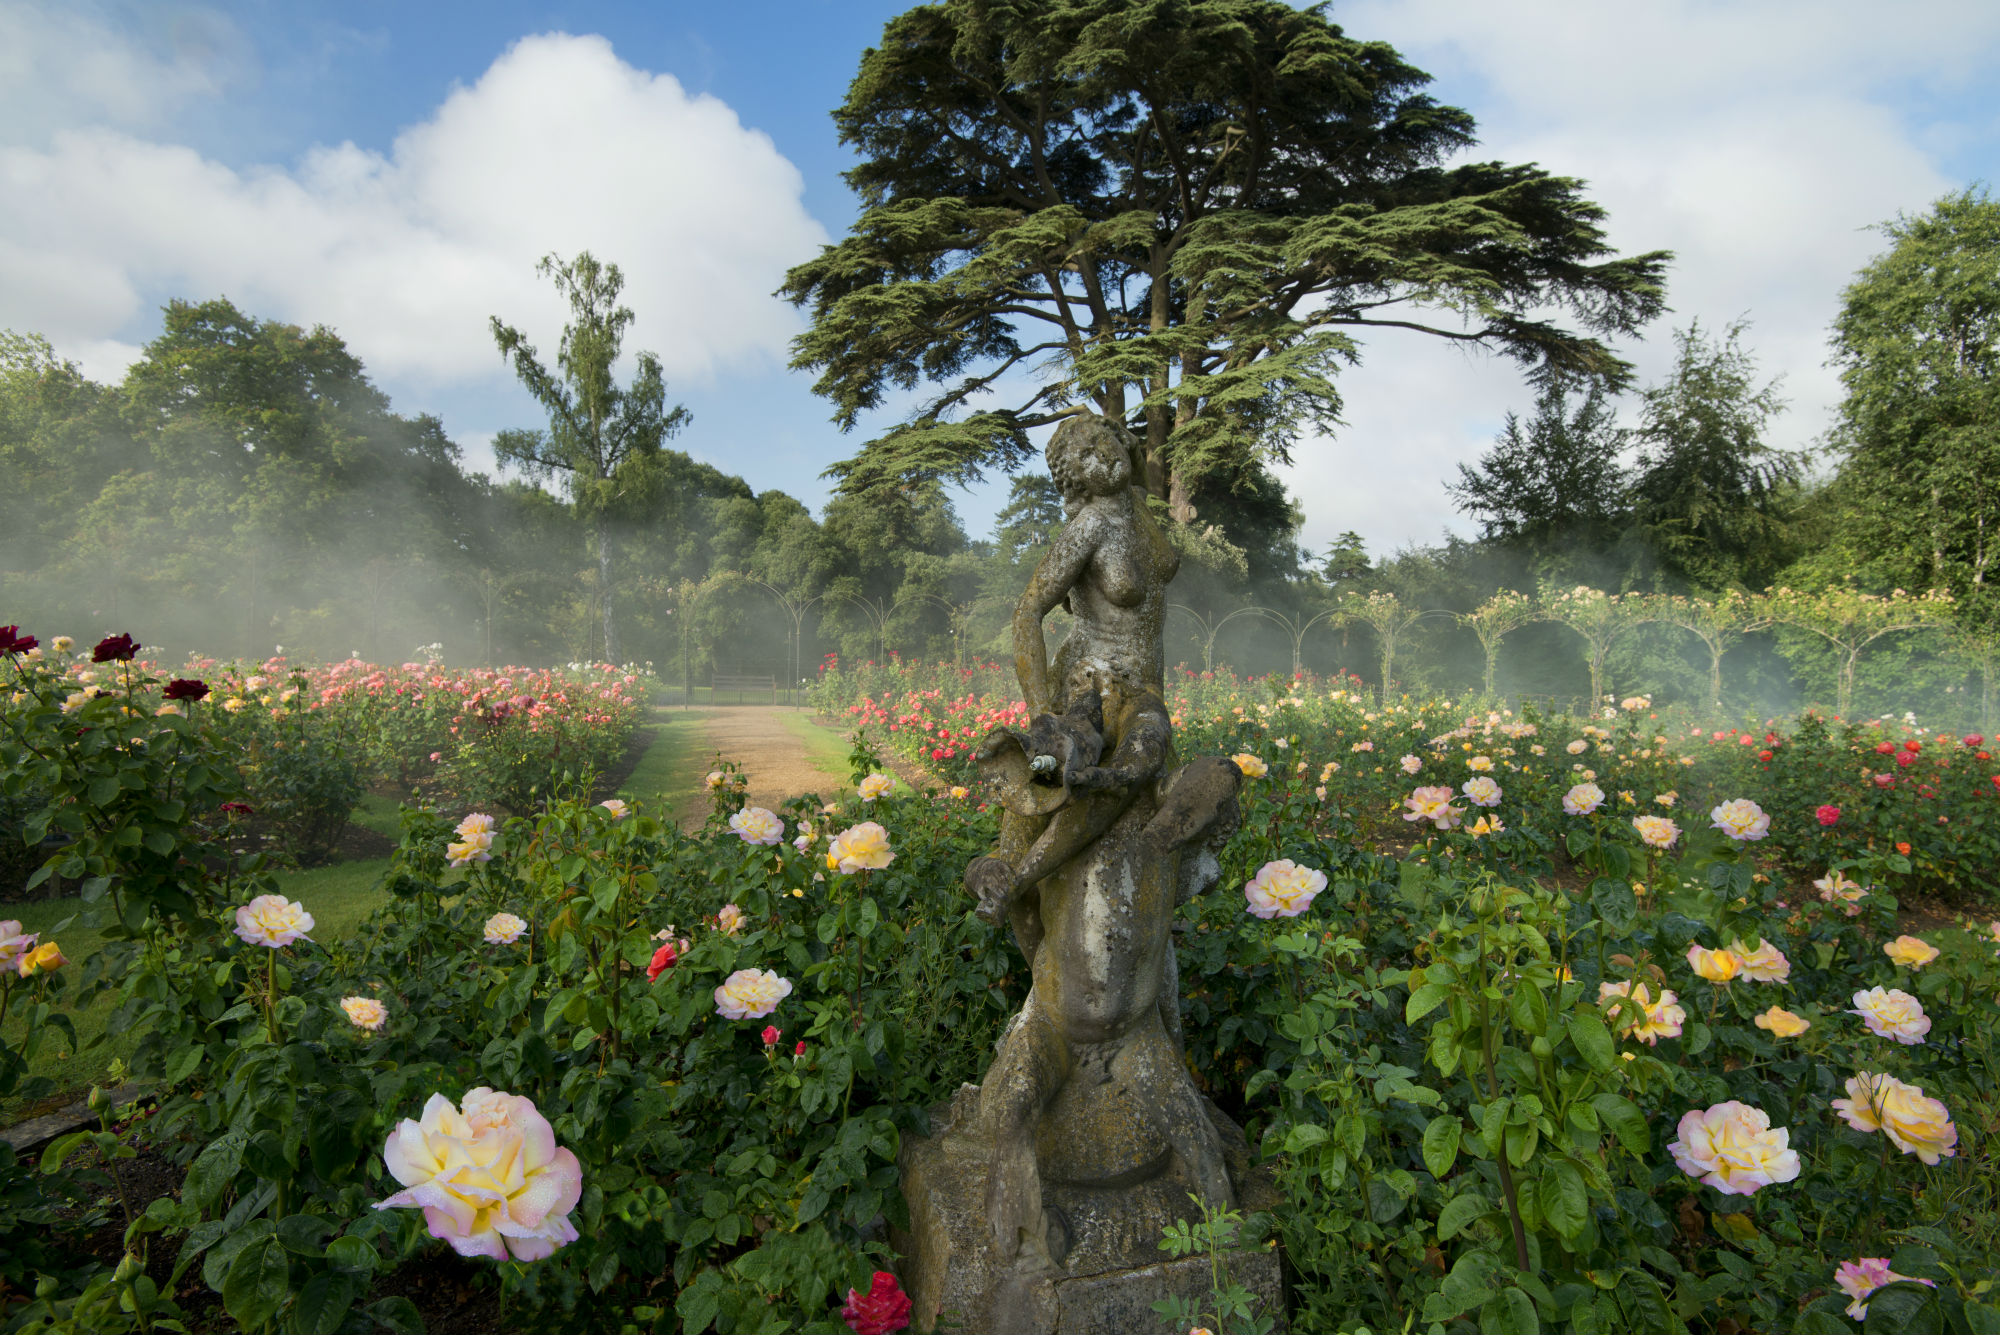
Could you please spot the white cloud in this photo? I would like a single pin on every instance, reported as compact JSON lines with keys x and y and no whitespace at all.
{"x":1759,"y":142}
{"x":61,"y":65}
{"x":559,"y":146}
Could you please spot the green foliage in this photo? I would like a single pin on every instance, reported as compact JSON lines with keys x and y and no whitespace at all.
{"x":1184,"y":212}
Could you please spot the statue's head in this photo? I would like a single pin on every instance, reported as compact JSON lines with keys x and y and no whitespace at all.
{"x":1090,"y":456}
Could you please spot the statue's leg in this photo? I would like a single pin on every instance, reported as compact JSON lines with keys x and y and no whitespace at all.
{"x":1170,"y":998}
{"x":1031,"y":1066}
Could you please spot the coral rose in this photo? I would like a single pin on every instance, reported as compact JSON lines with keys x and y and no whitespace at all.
{"x":663,"y":960}
{"x":490,"y":1179}
{"x":1735,"y":1149}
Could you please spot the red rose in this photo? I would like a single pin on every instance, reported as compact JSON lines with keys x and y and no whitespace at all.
{"x":1913,"y":745}
{"x":1885,"y":781}
{"x":1906,"y":758}
{"x":1828,"y":815}
{"x":1904,"y":849}
{"x":1884,"y":748}
{"x":1974,"y":739}
{"x":235,"y":809}
{"x":185,"y":688}
{"x":114,"y":649}
{"x":800,"y":1050}
{"x":13,"y":642}
{"x":663,"y":960}
{"x":886,"y":1307}
{"x":1765,"y":755}
{"x":771,"y":1035}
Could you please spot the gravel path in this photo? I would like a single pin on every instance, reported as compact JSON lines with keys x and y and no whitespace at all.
{"x":773,"y":757}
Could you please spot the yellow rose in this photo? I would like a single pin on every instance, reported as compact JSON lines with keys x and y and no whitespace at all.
{"x":1765,"y":964}
{"x":1910,"y":952}
{"x":865,"y":847}
{"x":874,"y":786}
{"x":1252,"y":767}
{"x":365,"y":1012}
{"x":1782,"y":1023}
{"x":1718,"y":966}
{"x":1914,"y":1123}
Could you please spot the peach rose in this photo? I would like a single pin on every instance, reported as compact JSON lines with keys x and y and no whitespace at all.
{"x":1735,"y":1149}
{"x":1891,"y":1013}
{"x":1914,"y":1123}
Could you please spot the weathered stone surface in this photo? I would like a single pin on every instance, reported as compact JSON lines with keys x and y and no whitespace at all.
{"x":1107,"y":1269}
{"x":1038,"y":1203}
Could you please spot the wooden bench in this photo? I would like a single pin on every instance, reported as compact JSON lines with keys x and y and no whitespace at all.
{"x":739,"y":684}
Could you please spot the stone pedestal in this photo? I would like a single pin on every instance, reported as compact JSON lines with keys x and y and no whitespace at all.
{"x":1104,"y":1242}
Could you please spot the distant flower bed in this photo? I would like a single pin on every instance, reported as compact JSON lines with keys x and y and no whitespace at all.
{"x":1817,"y":795}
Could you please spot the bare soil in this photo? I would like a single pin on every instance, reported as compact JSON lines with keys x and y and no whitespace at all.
{"x":773,"y":757}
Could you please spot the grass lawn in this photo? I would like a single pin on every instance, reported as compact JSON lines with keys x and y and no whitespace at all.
{"x":665,"y":781}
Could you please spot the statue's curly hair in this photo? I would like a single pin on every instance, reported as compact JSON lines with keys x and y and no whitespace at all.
{"x":1081,"y":437}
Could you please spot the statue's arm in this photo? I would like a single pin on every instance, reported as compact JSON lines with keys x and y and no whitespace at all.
{"x":1060,"y":570}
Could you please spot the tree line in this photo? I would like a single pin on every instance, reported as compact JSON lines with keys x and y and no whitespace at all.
{"x":1186,"y":217}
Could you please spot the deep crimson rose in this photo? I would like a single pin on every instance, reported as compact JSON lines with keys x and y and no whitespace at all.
{"x":13,"y":642}
{"x":800,"y":1050}
{"x":235,"y":809}
{"x":1828,"y":814}
{"x":1765,"y":755}
{"x":1974,"y":739}
{"x":886,"y":1307}
{"x":663,"y":960}
{"x":114,"y":649}
{"x":185,"y":688}
{"x":771,"y":1035}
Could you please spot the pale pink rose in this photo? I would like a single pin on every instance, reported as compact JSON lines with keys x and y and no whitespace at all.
{"x":1583,"y":799}
{"x":1914,"y":1123}
{"x":1656,"y":831}
{"x":865,"y":847}
{"x":273,"y":921}
{"x":14,"y":943}
{"x":1283,"y":889}
{"x":1892,"y":1013}
{"x":1482,"y":791}
{"x":1734,"y":1148}
{"x":751,"y":994}
{"x":731,"y":919}
{"x":491,"y":1179}
{"x":1858,"y":1279}
{"x":755,"y":825}
{"x":616,"y":807}
{"x":476,"y":823}
{"x":1740,"y":819}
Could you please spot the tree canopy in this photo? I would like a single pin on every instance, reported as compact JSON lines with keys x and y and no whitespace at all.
{"x":1917,"y":342}
{"x":1180,"y":213}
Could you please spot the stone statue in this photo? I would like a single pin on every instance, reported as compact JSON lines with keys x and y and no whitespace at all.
{"x":1091,"y":1132}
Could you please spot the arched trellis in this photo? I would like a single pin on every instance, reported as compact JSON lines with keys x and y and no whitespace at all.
{"x":796,"y":607}
{"x":1212,"y":627}
{"x":1297,"y":628}
{"x":1493,"y":620}
{"x":957,"y":615}
{"x":1390,"y":618}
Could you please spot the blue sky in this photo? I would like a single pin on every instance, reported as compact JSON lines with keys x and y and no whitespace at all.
{"x":395,"y":170}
